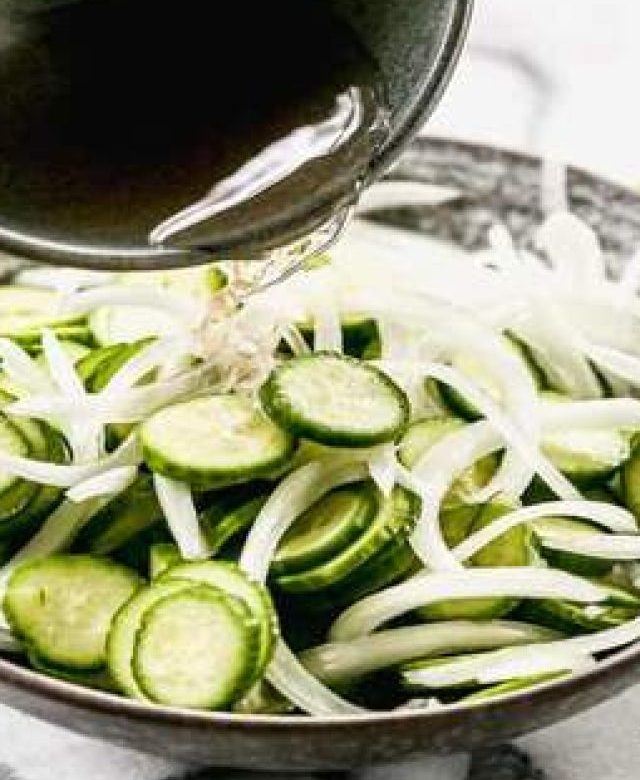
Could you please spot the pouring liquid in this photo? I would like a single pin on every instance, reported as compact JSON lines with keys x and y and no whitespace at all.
{"x":181,"y":123}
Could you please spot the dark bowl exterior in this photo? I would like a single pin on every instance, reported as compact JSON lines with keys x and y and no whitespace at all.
{"x":493,"y":184}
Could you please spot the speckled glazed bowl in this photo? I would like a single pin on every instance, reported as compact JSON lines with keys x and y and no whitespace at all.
{"x":493,"y":184}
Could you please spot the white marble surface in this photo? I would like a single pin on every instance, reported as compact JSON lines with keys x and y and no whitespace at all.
{"x":554,"y":76}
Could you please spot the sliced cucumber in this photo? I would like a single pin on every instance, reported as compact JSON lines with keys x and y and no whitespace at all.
{"x":569,"y":561}
{"x":121,"y":638}
{"x":394,"y":520}
{"x":196,"y":648}
{"x":224,"y":523}
{"x":510,"y":549}
{"x":421,"y":435}
{"x":15,"y":493}
{"x":214,"y":441}
{"x":510,"y":686}
{"x":25,"y":311}
{"x":62,"y":607}
{"x":325,"y":529}
{"x":98,"y":679}
{"x":107,"y":362}
{"x":573,"y":618}
{"x":231,"y":580}
{"x":123,"y":518}
{"x":585,"y":456}
{"x":163,"y":556}
{"x":630,"y":481}
{"x":475,"y":369}
{"x":335,"y":400}
{"x":360,"y":336}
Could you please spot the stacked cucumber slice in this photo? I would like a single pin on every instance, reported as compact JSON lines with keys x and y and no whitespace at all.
{"x":248,"y":499}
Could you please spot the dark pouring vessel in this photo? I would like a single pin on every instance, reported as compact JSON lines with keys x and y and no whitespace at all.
{"x":147,"y":133}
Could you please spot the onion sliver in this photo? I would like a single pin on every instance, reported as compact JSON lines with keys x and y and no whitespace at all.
{"x":513,"y":437}
{"x":342,"y":662}
{"x":509,"y":582}
{"x":109,"y":483}
{"x":614,"y":518}
{"x":295,"y":494}
{"x":62,"y":475}
{"x":432,"y":477}
{"x":176,"y":501}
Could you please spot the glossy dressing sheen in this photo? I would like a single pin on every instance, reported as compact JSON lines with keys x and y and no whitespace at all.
{"x":124,"y":121}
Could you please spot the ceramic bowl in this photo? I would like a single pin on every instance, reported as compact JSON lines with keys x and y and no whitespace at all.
{"x":493,"y":184}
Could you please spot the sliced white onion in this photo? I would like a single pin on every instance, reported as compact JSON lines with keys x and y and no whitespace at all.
{"x":62,"y":475}
{"x":187,"y":308}
{"x":511,"y":582}
{"x":295,"y":340}
{"x":56,"y":534}
{"x":629,"y":282}
{"x":342,"y":662}
{"x":604,"y":414}
{"x":109,"y":483}
{"x":21,"y":369}
{"x":500,"y":665}
{"x":63,"y":280}
{"x":614,"y":518}
{"x":60,"y":365}
{"x":296,"y":493}
{"x":620,"y":364}
{"x":512,"y":436}
{"x":382,"y":466}
{"x":155,"y":354}
{"x":432,"y":477}
{"x":606,"y":546}
{"x":389,"y":194}
{"x":176,"y":501}
{"x":573,"y":248}
{"x":327,"y":329}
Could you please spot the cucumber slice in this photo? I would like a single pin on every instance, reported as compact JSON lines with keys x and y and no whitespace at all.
{"x":62,"y":607}
{"x":163,"y":556}
{"x":360,"y":336}
{"x":15,"y":493}
{"x":121,"y":638}
{"x":585,"y":456}
{"x":98,"y":679}
{"x":394,"y":520}
{"x":573,"y":618}
{"x":630,"y":481}
{"x":511,"y":549}
{"x":227,"y":577}
{"x":108,"y":361}
{"x":122,"y":519}
{"x":582,"y":565}
{"x":196,"y":649}
{"x":510,"y":686}
{"x":335,"y":400}
{"x":214,"y":441}
{"x":421,"y":435}
{"x":325,"y":529}
{"x":221,"y":524}
{"x":475,"y":369}
{"x":25,"y":311}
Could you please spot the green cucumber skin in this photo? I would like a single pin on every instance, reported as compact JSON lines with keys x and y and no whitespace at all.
{"x":630,"y":482}
{"x":571,"y":618}
{"x":25,"y":625}
{"x":393,"y":522}
{"x":215,"y":574}
{"x":360,"y":337}
{"x":359,"y":519}
{"x":275,"y":403}
{"x":244,"y":677}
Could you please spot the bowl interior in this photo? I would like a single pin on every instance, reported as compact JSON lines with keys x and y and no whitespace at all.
{"x":492,"y":185}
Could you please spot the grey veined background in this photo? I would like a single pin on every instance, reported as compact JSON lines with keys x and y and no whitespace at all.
{"x":560,"y":77}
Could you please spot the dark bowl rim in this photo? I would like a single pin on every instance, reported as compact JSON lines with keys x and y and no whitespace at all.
{"x":87,"y":699}
{"x":312,"y":212}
